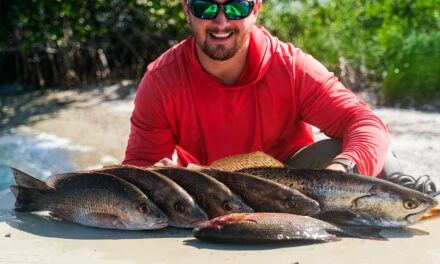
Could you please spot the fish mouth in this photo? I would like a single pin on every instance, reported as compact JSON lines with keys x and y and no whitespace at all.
{"x":191,"y":224}
{"x":159,"y":224}
{"x":412,"y":218}
{"x":314,"y":212}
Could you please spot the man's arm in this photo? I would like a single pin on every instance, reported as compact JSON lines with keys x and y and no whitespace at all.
{"x":328,"y":105}
{"x":151,"y":138}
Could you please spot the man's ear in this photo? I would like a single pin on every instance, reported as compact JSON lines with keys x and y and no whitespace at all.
{"x":257,"y":9}
{"x":186,"y":10}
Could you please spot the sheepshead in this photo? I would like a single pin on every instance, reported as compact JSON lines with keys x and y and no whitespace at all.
{"x":264,"y":195}
{"x":273,"y":227}
{"x":213,"y":196}
{"x":350,"y":198}
{"x":175,"y":202}
{"x":91,"y":199}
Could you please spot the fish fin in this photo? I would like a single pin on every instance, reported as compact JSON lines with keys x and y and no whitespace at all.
{"x":105,"y":220}
{"x":62,"y":215}
{"x":375,"y":189}
{"x":331,"y":238}
{"x":54,"y":179}
{"x":245,"y":161}
{"x":415,"y":231}
{"x":25,"y":180}
{"x":435,"y":194}
{"x":27,"y":199}
{"x":367,"y":232}
{"x":102,"y":220}
{"x":14,"y":190}
{"x":336,"y":216}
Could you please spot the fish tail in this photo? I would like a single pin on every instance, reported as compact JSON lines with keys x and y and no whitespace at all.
{"x":27,"y":199}
{"x":25,"y":180}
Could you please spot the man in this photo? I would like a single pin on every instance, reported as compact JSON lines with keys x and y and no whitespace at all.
{"x":232,"y":88}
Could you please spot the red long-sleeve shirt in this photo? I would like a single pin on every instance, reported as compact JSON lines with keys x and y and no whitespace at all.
{"x":270,"y":108}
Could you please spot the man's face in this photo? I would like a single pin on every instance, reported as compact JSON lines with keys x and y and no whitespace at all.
{"x":220,"y":38}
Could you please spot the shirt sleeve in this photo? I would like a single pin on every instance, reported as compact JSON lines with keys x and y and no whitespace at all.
{"x":336,"y":111}
{"x":151,"y":138}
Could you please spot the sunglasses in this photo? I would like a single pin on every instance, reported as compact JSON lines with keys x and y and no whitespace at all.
{"x":234,"y":10}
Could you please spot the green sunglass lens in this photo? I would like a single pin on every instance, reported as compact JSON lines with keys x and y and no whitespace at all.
{"x":233,"y":10}
{"x":237,"y":10}
{"x":204,"y":10}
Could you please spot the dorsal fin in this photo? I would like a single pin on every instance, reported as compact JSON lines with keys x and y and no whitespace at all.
{"x":246,"y":161}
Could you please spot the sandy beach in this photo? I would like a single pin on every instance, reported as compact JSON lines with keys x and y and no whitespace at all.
{"x":99,"y":119}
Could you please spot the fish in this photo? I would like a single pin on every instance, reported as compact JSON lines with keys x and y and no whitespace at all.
{"x":353,"y":198}
{"x":90,"y":199}
{"x":273,"y":227}
{"x":214,"y":197}
{"x":350,"y":198}
{"x":265,"y":195}
{"x":181,"y":209}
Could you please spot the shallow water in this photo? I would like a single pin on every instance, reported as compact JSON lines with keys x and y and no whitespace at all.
{"x":38,"y":154}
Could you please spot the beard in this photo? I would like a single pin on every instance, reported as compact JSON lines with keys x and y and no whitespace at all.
{"x":220,"y":52}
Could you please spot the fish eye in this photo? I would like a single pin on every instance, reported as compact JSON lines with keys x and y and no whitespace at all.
{"x":290,"y":203}
{"x":143,"y":208}
{"x":179,"y":207}
{"x":410,"y":204}
{"x":227,"y":205}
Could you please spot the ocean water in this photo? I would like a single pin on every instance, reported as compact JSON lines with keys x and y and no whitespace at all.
{"x":38,"y":154}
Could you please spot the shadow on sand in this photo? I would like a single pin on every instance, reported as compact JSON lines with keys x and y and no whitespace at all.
{"x":47,"y":226}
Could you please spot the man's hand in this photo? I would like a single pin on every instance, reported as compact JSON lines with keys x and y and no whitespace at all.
{"x":166,"y":162}
{"x":336,"y":166}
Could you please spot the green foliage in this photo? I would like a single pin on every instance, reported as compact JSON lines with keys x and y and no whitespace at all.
{"x":413,"y":74}
{"x":371,"y":37}
{"x":370,"y":44}
{"x":47,"y":41}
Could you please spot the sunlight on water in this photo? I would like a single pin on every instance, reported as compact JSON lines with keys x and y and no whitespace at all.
{"x":39,"y":154}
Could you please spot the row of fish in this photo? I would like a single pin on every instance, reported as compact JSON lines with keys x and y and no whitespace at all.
{"x":127,"y":197}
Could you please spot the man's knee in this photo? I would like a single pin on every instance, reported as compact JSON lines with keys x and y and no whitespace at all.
{"x":317,"y":155}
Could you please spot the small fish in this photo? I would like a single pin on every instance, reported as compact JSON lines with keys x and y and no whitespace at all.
{"x":91,"y":199}
{"x":265,"y":195}
{"x":175,"y":202}
{"x":213,"y":196}
{"x":348,"y":198}
{"x":271,"y":227}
